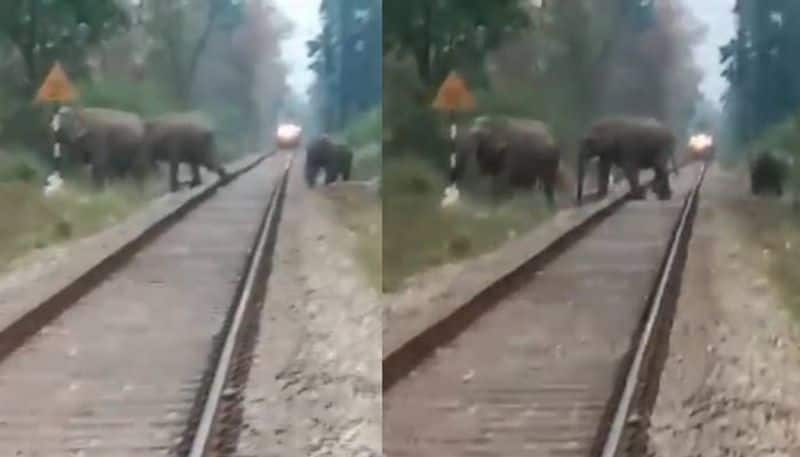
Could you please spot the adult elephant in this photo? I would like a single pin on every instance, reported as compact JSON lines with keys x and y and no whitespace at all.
{"x":632,"y":144}
{"x":767,"y":174}
{"x":182,"y":138}
{"x":108,"y":140}
{"x":521,"y":151}
{"x":323,"y":153}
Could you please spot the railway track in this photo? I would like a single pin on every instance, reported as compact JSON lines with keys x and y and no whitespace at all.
{"x":558,"y":357}
{"x":148,"y":352}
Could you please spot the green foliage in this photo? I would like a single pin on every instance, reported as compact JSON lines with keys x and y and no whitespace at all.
{"x":364,"y":129}
{"x":761,"y":67}
{"x":20,"y":166}
{"x":440,"y":35}
{"x":61,"y":30}
{"x":146,"y":98}
{"x":78,"y":211}
{"x":346,"y":57}
{"x":418,"y":234}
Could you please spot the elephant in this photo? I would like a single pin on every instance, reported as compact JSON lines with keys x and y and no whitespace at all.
{"x":323,"y":153}
{"x":632,"y":144}
{"x":182,"y":138}
{"x":521,"y":151}
{"x":767,"y":174}
{"x":108,"y":140}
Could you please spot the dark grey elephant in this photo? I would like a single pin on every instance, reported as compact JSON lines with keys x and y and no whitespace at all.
{"x":323,"y":153}
{"x":632,"y":144}
{"x":182,"y":138}
{"x":523,"y":152}
{"x":767,"y":174}
{"x":108,"y":140}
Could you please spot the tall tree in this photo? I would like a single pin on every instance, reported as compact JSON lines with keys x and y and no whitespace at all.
{"x":346,"y":57}
{"x":445,"y":34}
{"x":42,"y":31}
{"x":760,"y":66}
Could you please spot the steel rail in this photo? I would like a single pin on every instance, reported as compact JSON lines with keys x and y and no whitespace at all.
{"x":617,"y":429}
{"x":205,"y":429}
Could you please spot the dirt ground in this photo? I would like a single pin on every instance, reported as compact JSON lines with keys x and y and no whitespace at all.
{"x":731,"y":384}
{"x":314,"y":389}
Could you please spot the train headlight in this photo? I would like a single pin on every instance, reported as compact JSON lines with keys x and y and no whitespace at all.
{"x":288,"y":134}
{"x":700,"y":142}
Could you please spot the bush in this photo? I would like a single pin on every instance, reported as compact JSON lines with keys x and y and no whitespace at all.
{"x":142,"y":97}
{"x":367,"y":162}
{"x":21,"y":166}
{"x":418,"y":234}
{"x":365,"y":129}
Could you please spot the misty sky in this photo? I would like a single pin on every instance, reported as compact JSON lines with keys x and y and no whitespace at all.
{"x":718,"y":16}
{"x":304,"y":15}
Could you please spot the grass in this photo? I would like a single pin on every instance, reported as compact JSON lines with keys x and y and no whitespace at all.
{"x":360,"y":211}
{"x":775,"y":229}
{"x":418,"y":234}
{"x":39,"y":222}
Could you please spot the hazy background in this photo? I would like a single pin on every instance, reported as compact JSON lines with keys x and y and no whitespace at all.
{"x":304,"y":16}
{"x":718,"y":16}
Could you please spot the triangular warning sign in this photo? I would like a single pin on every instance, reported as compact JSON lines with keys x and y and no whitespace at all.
{"x":453,"y":95}
{"x":56,"y":87}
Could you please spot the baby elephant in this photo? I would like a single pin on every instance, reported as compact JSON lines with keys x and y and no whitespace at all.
{"x":325,"y":154}
{"x":186,"y":138}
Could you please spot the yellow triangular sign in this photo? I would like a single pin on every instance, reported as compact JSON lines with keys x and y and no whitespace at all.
{"x":56,"y":87}
{"x":453,"y":95}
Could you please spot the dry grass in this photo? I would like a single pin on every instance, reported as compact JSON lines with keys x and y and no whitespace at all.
{"x":774,"y":229}
{"x":418,"y":234}
{"x":31,"y":221}
{"x":359,"y":210}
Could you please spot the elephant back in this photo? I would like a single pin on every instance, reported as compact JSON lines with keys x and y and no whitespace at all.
{"x":190,"y":120}
{"x":631,"y":130}
{"x":103,"y":118}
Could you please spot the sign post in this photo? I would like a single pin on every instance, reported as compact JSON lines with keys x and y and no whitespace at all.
{"x":58,"y":90}
{"x":453,"y":96}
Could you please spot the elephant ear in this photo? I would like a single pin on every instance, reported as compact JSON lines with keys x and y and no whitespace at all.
{"x":71,"y":123}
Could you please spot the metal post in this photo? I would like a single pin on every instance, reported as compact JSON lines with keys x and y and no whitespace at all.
{"x":453,"y":135}
{"x":55,"y":124}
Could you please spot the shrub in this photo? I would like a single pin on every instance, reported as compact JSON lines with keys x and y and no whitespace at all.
{"x":20,"y":165}
{"x":142,"y":97}
{"x":365,"y":129}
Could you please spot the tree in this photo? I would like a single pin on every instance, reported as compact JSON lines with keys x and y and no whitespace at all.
{"x":182,"y":31}
{"x":43,"y":31}
{"x":441,"y":35}
{"x":346,"y":57}
{"x":764,"y":76}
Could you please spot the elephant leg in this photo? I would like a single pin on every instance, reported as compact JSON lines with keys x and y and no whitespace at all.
{"x":549,"y":192}
{"x":603,"y":174}
{"x":173,"y":153}
{"x":661,"y":183}
{"x":632,"y":175}
{"x":311,"y":175}
{"x":211,"y":161}
{"x":196,"y":179}
{"x":346,"y":171}
{"x":99,"y":162}
{"x":173,"y":176}
{"x":330,"y":174}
